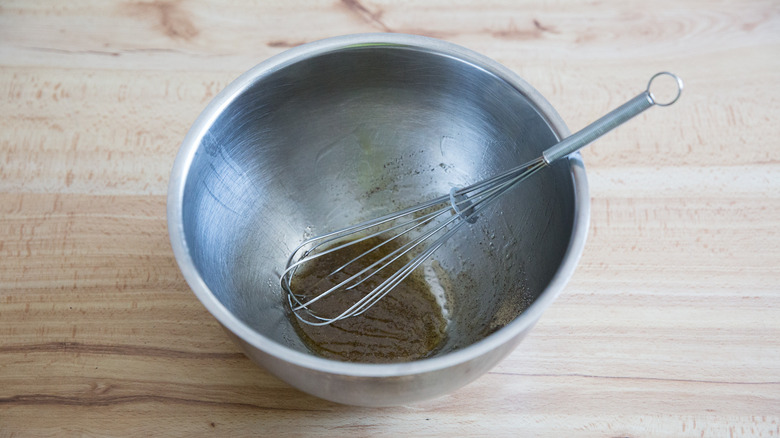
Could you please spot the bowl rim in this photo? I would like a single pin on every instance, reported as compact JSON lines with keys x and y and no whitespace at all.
{"x":502,"y":336}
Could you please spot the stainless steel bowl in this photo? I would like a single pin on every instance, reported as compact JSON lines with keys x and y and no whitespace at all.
{"x":339,"y":130}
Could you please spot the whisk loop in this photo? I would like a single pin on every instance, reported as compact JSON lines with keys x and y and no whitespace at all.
{"x":422,"y":229}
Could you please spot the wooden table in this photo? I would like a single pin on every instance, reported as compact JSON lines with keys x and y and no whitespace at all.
{"x":670,"y":326}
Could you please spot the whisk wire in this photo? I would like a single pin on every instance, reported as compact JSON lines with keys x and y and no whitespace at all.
{"x":476,"y":197}
{"x":306,"y":257}
{"x":385,"y":261}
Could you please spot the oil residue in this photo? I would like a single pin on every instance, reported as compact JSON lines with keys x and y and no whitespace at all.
{"x":407,"y":324}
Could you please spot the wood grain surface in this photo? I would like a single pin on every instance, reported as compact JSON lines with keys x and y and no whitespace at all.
{"x":670,"y":326}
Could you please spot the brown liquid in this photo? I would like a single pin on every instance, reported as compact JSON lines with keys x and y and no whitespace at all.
{"x":405,"y":325}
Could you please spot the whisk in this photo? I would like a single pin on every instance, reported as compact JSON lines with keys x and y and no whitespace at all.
{"x":420,"y":230}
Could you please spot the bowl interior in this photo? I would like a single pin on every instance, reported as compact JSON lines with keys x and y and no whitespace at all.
{"x":346,"y":135}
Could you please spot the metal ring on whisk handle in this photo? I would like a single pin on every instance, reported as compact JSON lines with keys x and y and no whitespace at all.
{"x":673,"y":76}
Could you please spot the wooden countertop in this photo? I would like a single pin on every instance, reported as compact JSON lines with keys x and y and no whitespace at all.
{"x":670,"y":326}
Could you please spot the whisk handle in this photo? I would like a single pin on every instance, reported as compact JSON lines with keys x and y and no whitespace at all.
{"x":610,"y":121}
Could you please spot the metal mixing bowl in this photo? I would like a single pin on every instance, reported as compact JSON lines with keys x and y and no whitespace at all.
{"x":339,"y":130}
